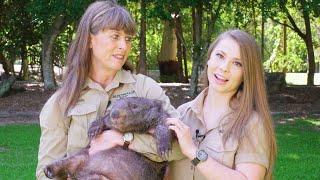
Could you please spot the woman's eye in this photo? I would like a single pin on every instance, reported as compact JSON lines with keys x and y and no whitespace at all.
{"x":220,"y":56}
{"x":115,"y":37}
{"x":238,"y":64}
{"x":129,"y":39}
{"x":133,"y":106}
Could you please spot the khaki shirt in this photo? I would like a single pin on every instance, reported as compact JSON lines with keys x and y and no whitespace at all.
{"x":252,"y":149}
{"x":65,"y":135}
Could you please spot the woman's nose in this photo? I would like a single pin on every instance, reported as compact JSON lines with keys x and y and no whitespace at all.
{"x":225,"y":65}
{"x":122,"y":43}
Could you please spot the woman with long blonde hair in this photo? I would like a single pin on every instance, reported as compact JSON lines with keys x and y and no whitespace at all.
{"x":226,"y":132}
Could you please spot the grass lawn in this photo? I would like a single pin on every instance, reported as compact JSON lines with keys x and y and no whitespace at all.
{"x":298,"y":156}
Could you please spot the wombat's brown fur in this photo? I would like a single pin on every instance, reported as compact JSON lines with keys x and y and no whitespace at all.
{"x":133,"y":114}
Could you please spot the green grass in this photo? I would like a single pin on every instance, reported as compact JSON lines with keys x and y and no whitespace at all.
{"x":18,"y":151}
{"x":298,"y":149}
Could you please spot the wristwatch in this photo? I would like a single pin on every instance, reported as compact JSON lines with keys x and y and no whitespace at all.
{"x":127,"y":139}
{"x":201,"y":156}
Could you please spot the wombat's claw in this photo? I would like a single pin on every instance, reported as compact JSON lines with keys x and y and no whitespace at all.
{"x":164,"y":154}
{"x":94,"y":131}
{"x":163,"y":151}
{"x":48,"y":172}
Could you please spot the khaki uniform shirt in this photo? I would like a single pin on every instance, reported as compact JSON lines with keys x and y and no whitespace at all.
{"x":64,"y":135}
{"x":252,"y":149}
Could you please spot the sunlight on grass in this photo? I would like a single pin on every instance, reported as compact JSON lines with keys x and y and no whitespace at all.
{"x":293,"y":156}
{"x":288,"y":134}
{"x":317,"y":123}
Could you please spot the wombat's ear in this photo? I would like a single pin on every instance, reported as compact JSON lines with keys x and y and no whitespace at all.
{"x":159,"y":104}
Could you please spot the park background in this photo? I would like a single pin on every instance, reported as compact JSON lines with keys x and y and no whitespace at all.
{"x":170,"y":46}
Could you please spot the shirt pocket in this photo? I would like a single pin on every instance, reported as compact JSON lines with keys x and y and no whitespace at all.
{"x":222,"y":153}
{"x":82,"y":115}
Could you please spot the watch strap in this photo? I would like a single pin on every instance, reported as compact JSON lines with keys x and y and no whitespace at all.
{"x":195,"y":161}
{"x":126,"y":145}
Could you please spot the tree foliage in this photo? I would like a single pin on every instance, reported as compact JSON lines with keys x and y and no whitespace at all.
{"x":26,"y":29}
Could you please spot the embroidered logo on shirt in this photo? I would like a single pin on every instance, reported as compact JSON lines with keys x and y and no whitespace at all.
{"x":123,"y":95}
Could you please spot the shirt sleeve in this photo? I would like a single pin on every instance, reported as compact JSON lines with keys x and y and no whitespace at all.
{"x":149,"y":88}
{"x":53,"y":139}
{"x":144,"y":143}
{"x":254,"y":147}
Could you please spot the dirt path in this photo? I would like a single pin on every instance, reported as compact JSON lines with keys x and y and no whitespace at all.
{"x":24,"y":103}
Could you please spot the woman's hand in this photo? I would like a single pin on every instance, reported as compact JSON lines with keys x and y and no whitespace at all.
{"x":184,"y":137}
{"x":106,"y":140}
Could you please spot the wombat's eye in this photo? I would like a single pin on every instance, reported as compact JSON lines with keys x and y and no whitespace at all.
{"x":133,"y":106}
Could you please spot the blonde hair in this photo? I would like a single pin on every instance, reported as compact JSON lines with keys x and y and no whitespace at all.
{"x":251,"y":95}
{"x":99,"y":15}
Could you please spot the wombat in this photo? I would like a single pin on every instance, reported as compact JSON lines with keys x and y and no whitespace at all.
{"x":131,"y":114}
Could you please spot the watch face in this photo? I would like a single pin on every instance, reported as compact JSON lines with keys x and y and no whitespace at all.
{"x":128,"y":136}
{"x":202,"y":155}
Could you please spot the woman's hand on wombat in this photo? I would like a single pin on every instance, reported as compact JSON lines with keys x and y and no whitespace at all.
{"x":184,"y":136}
{"x":106,"y":140}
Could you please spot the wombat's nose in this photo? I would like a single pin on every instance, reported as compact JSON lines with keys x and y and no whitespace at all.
{"x":115,"y":114}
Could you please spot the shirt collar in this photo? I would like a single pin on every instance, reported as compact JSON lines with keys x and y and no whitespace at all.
{"x":197,"y":104}
{"x":122,"y":76}
{"x":197,"y":107}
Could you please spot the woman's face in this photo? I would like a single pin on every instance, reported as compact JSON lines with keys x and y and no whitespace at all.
{"x":225,"y":71}
{"x":110,"y":49}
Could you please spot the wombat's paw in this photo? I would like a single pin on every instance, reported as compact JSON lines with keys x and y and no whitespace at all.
{"x":48,"y":171}
{"x":163,"y":148}
{"x":94,"y":130}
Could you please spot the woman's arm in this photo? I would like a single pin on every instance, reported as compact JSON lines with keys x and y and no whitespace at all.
{"x":146,"y":145}
{"x":53,"y":140}
{"x":210,"y":168}
{"x":142,"y":143}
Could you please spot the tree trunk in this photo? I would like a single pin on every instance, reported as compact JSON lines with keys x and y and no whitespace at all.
{"x":24,"y":72}
{"x":263,"y":19}
{"x":142,"y":67}
{"x":309,"y":44}
{"x":185,"y":63}
{"x":168,"y":64}
{"x":5,"y":84}
{"x":254,"y":17}
{"x":7,"y":65}
{"x":211,"y":24}
{"x":181,"y":54}
{"x":284,"y":40}
{"x":12,"y":59}
{"x":47,"y":46}
{"x":311,"y":60}
{"x":197,"y":30}
{"x":307,"y":37}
